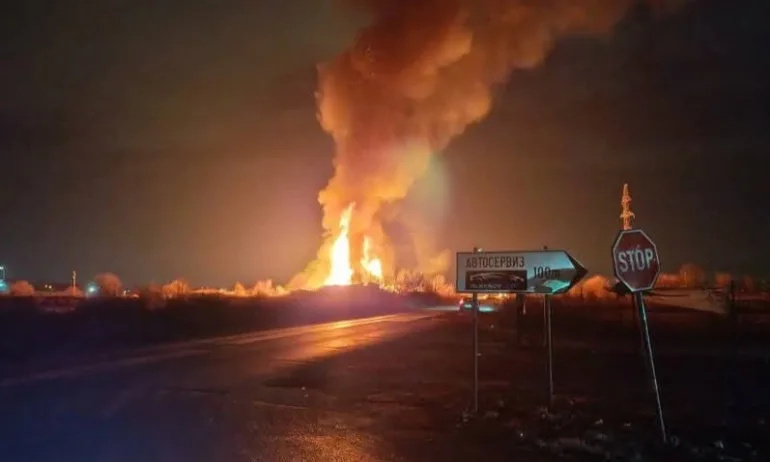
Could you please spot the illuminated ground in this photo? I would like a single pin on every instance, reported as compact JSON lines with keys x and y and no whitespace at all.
{"x":384,"y":389}
{"x":293,"y":394}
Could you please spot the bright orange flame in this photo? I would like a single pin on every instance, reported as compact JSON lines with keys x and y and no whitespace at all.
{"x":340,"y":266}
{"x":371,"y":264}
{"x":341,"y":271}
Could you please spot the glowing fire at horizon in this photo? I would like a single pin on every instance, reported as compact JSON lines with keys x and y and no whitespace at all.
{"x":370,"y":263}
{"x":416,"y":76}
{"x":341,"y":269}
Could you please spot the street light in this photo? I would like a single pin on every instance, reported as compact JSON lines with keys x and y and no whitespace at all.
{"x":2,"y":271}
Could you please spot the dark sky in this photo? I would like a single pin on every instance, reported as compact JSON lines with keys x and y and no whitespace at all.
{"x":179,"y":138}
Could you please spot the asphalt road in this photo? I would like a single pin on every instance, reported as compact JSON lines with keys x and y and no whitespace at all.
{"x":298,"y":394}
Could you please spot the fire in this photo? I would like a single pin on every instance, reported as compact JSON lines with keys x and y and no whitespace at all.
{"x":341,"y":271}
{"x":417,"y":75}
{"x":372,"y":265}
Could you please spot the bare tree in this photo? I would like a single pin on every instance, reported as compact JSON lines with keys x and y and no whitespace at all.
{"x":266,"y":288}
{"x":239,"y":290}
{"x":439,"y":285}
{"x":595,"y":288}
{"x":410,"y":281}
{"x":109,"y":284}
{"x":72,"y":291}
{"x":263,"y":288}
{"x":22,"y":289}
{"x":176,"y":289}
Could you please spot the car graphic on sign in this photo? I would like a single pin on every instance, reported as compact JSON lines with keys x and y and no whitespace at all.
{"x":496,"y":280}
{"x":496,"y":276}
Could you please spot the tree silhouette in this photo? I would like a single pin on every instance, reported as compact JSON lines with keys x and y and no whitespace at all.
{"x":176,"y":288}
{"x":109,"y":284}
{"x":72,"y":292}
{"x":239,"y":290}
{"x":22,"y":289}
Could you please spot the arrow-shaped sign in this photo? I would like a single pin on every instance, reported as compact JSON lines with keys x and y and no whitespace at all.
{"x":534,"y":272}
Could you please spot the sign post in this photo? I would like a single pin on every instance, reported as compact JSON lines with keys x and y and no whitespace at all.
{"x":636,"y":265}
{"x":548,"y":339}
{"x":547,"y":272}
{"x":475,"y":400}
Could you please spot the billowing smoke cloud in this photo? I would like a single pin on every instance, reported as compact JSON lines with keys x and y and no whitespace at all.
{"x":419,"y":74}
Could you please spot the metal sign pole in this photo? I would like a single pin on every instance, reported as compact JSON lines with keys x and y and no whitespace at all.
{"x":475,"y":303}
{"x":545,"y":272}
{"x":549,"y":337}
{"x":651,"y":361}
{"x":475,"y":408}
{"x":545,"y":322}
{"x":545,"y":316}
{"x":638,"y":324}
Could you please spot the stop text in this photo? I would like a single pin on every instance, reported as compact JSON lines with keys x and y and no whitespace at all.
{"x":635,"y":259}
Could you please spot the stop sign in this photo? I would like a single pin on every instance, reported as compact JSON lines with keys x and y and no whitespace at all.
{"x":635,"y":260}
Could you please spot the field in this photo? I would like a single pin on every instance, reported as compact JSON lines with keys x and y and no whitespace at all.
{"x":713,"y":375}
{"x":35,"y":329}
{"x":713,"y":370}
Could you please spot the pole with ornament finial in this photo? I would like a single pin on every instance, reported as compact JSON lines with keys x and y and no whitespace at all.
{"x":628,"y":216}
{"x":625,"y":202}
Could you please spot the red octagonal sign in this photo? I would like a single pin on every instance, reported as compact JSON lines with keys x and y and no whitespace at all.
{"x":635,"y":260}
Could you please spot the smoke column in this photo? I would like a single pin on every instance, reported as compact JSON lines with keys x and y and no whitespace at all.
{"x":417,"y":76}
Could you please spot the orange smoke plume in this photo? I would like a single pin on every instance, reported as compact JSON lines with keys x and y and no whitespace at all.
{"x":415,"y":77}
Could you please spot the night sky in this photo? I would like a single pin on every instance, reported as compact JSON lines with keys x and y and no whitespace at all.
{"x":179,"y":138}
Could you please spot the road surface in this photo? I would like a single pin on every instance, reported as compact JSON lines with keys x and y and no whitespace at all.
{"x":331,"y":392}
